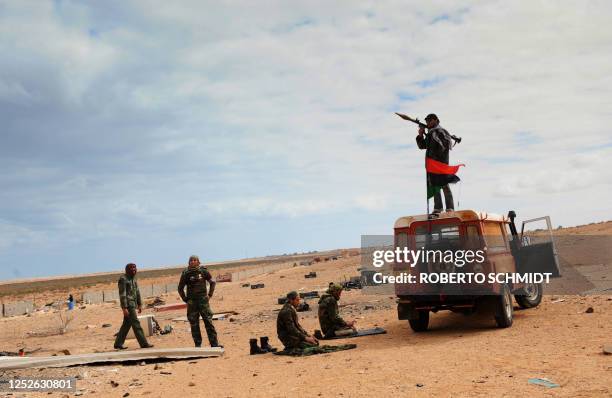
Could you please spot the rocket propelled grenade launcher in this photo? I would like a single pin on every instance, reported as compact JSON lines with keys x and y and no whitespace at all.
{"x":405,"y":117}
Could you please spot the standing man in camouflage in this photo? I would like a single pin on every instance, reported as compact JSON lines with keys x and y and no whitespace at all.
{"x":129,"y":298}
{"x":330,"y":320}
{"x":195,"y":277}
{"x":290,"y":332}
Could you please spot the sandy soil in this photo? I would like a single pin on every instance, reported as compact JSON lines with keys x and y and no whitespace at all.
{"x":459,"y":356}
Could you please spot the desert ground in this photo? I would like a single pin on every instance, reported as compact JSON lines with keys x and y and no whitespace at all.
{"x":459,"y":356}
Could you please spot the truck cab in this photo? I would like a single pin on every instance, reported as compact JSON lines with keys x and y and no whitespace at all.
{"x":499,"y":249}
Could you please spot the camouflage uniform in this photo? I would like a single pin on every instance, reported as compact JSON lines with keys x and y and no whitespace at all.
{"x":289,"y":330}
{"x":329,"y":318}
{"x":129,"y":298}
{"x":195,"y":279}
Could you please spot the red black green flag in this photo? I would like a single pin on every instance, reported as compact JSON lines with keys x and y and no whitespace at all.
{"x":439,"y":174}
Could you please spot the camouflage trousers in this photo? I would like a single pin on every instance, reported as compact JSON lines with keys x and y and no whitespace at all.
{"x":131,"y":321}
{"x":339,"y":332}
{"x":199,"y":307}
{"x":306,"y":349}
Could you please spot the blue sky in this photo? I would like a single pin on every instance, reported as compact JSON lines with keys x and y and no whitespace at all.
{"x":148,"y":131}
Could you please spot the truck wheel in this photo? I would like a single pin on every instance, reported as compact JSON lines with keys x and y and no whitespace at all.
{"x":532,"y":296}
{"x":504,"y":308}
{"x":420,"y":324}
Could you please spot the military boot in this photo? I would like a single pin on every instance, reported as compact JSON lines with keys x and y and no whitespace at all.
{"x":318,"y":335}
{"x":255,"y":348}
{"x":265,"y":345}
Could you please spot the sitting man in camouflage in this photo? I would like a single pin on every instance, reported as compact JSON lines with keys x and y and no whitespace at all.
{"x":130,"y":300}
{"x":296,"y":340}
{"x":195,"y":277}
{"x":290,"y":332}
{"x":331,"y":322}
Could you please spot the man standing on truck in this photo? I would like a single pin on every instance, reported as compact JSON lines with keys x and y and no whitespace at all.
{"x":195,"y":278}
{"x":129,"y":298}
{"x":437,"y":142}
{"x":331,"y":322}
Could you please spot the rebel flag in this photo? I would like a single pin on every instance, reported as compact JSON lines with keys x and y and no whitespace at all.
{"x":439,"y":174}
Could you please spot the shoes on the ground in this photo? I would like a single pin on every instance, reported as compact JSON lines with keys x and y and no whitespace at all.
{"x":121,"y":347}
{"x":255,"y":348}
{"x":148,"y":346}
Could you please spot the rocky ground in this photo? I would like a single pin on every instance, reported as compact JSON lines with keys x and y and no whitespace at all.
{"x":560,"y":340}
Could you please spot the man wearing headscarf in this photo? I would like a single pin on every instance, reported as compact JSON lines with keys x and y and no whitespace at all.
{"x":330,"y":320}
{"x":130,"y":300}
{"x":195,"y":277}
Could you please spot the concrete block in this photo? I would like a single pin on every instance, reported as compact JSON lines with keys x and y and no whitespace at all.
{"x":17,"y":308}
{"x":146,"y":321}
{"x":110,"y":296}
{"x":93,"y":297}
{"x":158,"y":290}
{"x":146,"y":291}
{"x":172,"y":288}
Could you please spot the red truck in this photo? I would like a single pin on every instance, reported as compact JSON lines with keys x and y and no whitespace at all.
{"x":508,"y":261}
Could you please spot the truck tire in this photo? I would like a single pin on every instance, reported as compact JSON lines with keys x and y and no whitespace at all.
{"x":504,"y":309}
{"x":531,"y":297}
{"x":421,"y":323}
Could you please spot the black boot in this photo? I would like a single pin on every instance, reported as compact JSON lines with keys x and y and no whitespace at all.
{"x":255,"y":348}
{"x":318,"y":335}
{"x":265,"y":345}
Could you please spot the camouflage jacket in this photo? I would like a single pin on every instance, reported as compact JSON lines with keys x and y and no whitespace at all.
{"x":289,"y":330}
{"x":129,"y":294}
{"x":195,"y":279}
{"x":329,"y":318}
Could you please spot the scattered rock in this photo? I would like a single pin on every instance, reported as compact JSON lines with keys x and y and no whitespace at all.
{"x":607,"y":349}
{"x":419,"y":385}
{"x":165,"y":372}
{"x":589,"y":310}
{"x":114,"y":383}
{"x":106,"y":325}
{"x":127,"y":394}
{"x":157,"y":367}
{"x":191,"y":384}
{"x":368,"y":307}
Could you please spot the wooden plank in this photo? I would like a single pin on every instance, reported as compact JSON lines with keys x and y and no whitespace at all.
{"x":216,"y":316}
{"x":170,"y":307}
{"x":7,"y":363}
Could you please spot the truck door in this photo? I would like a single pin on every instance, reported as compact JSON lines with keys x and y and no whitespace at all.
{"x":537,"y":253}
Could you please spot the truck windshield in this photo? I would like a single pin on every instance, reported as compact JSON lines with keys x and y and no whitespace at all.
{"x":441,"y":236}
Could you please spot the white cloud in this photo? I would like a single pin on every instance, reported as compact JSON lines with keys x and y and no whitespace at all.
{"x":139,"y":116}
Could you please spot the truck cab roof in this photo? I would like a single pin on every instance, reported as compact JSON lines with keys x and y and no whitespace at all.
{"x":462,"y":215}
